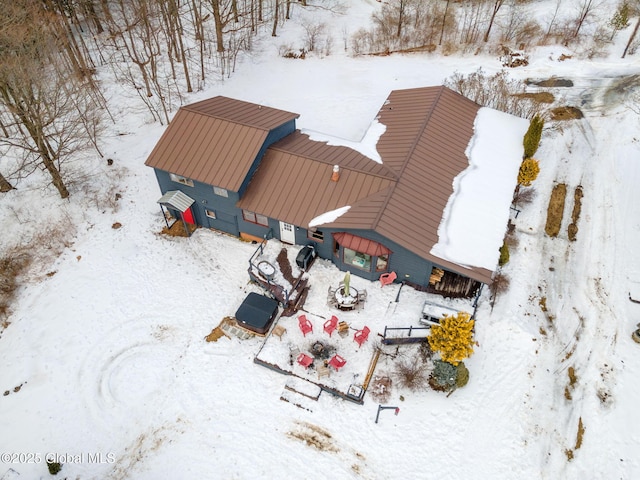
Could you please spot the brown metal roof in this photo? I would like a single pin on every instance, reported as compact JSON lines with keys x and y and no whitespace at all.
{"x":442,"y":122}
{"x":215,"y":141}
{"x":422,"y":149}
{"x":293,"y":182}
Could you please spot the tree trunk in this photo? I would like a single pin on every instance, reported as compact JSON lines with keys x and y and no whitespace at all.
{"x":90,"y":10}
{"x":400,"y":18}
{"x":444,"y":20}
{"x":234,"y":9}
{"x":217,"y":20}
{"x":584,"y":13}
{"x":633,"y":35}
{"x":275,"y":20}
{"x":496,"y":7}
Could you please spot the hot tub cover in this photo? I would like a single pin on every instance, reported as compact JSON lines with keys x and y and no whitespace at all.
{"x":257,"y":313}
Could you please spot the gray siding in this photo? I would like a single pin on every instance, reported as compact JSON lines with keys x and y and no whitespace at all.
{"x":406,"y":264}
{"x":273,"y":136}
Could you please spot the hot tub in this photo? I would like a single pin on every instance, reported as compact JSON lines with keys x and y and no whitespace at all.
{"x":257,"y":313}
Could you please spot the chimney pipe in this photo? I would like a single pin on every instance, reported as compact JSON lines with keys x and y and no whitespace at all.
{"x":335,"y":176}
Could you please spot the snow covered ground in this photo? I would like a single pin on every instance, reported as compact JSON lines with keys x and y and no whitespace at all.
{"x":106,"y":342}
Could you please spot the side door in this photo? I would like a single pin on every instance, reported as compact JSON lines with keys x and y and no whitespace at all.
{"x":287,"y":233}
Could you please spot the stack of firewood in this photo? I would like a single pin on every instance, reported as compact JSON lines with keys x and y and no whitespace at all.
{"x":436,"y":276}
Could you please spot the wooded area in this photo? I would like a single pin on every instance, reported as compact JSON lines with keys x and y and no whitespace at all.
{"x":53,"y":53}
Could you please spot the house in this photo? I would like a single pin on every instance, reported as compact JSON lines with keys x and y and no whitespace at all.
{"x":251,"y":173}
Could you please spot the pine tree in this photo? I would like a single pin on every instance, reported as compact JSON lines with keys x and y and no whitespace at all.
{"x":453,"y":337}
{"x":532,"y":137}
{"x":529,"y":170}
{"x":620,"y":19}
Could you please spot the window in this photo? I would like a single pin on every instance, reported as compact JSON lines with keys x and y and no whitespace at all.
{"x":357,"y":259}
{"x":180,"y":179}
{"x":221,"y":191}
{"x":336,"y":249}
{"x":382,"y":262}
{"x":210,"y":213}
{"x":255,"y":218}
{"x":316,"y":235}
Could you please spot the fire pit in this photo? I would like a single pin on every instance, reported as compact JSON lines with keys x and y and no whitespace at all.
{"x":321,"y":350}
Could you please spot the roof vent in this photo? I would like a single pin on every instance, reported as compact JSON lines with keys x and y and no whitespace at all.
{"x":335,"y":176}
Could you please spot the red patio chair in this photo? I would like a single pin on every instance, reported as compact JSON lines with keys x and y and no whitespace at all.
{"x":305,"y":325}
{"x":361,"y":336}
{"x":337,"y":362}
{"x":304,"y":360}
{"x":387,"y":278}
{"x":331,"y":324}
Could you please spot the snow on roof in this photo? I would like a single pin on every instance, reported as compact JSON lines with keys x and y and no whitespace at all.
{"x":475,"y":219}
{"x":328,"y":217}
{"x":366,"y":146}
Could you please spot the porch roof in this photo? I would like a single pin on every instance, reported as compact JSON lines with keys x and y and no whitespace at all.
{"x":176,"y":200}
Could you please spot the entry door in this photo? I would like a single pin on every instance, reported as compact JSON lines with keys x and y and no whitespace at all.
{"x":287,"y":233}
{"x":187,"y":215}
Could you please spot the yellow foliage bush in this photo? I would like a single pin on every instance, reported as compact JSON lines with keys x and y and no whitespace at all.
{"x":529,"y":170}
{"x":453,"y":337}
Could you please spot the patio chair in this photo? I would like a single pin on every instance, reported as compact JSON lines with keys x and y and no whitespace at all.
{"x":305,"y":325}
{"x":331,"y":324}
{"x":304,"y":360}
{"x":387,"y":278}
{"x":361,"y":336}
{"x":337,"y":362}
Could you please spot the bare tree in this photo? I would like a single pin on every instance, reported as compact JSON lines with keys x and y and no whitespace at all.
{"x":49,"y":107}
{"x":585,"y":9}
{"x":554,"y":16}
{"x":497,"y":4}
{"x":444,"y":21}
{"x":313,"y":32}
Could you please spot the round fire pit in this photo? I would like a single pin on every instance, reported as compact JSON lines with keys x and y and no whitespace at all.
{"x":321,"y":350}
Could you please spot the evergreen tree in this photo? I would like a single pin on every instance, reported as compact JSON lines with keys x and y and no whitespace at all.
{"x":532,"y":137}
{"x":620,"y":19}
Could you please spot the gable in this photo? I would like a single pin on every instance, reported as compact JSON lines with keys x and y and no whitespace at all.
{"x":216,"y":141}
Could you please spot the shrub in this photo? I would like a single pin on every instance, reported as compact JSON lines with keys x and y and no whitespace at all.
{"x":532,"y":137}
{"x":504,"y":254}
{"x":411,"y":374}
{"x":453,"y":337}
{"x":444,"y":375}
{"x":523,"y":196}
{"x":500,"y":284}
{"x":498,"y":91}
{"x":54,"y":467}
{"x":462,"y":375}
{"x":529,"y":170}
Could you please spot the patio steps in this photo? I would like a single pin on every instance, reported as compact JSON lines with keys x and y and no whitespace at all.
{"x":301,"y":393}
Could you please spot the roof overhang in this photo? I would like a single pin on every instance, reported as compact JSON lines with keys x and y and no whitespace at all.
{"x":360,"y":244}
{"x":176,"y":200}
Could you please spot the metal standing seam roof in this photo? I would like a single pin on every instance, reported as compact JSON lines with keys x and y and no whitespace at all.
{"x":177,"y":200}
{"x":302,"y":168}
{"x":422,"y":149}
{"x":216,"y":141}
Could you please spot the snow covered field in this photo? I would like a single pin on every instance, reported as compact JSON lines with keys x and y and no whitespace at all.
{"x":106,"y":342}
